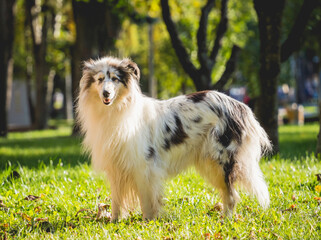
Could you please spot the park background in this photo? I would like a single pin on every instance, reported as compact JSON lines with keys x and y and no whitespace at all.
{"x":263,"y":53}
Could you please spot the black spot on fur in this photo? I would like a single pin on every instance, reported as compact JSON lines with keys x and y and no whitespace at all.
{"x":179,"y":134}
{"x":167,"y":144}
{"x":197,"y":97}
{"x":198,"y":119}
{"x":151,"y":153}
{"x":228,"y":170}
{"x":167,"y":128}
{"x":232,"y":132}
{"x":216,"y":110}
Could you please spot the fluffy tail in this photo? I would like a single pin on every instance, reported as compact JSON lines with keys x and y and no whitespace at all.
{"x":255,"y":145}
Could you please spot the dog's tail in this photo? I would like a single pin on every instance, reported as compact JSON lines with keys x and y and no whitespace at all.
{"x":255,"y":145}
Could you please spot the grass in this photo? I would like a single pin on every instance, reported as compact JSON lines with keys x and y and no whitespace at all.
{"x":298,"y":141}
{"x":52,"y":168}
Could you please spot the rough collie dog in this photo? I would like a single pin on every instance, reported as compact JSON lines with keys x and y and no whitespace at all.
{"x":140,"y":141}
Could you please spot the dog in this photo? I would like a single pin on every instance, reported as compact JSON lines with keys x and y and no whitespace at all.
{"x":139,"y":141}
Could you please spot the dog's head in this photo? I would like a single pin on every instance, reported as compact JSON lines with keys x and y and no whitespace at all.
{"x":110,"y":78}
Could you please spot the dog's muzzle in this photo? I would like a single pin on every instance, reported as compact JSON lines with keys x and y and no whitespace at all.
{"x":106,"y":99}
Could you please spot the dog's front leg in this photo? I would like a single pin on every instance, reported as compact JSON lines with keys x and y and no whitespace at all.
{"x":150,"y":196}
{"x":115,"y":203}
{"x":115,"y":210}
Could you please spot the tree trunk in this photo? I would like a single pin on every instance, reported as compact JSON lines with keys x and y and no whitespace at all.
{"x":6,"y":44}
{"x":39,"y":43}
{"x":40,"y":108}
{"x":49,"y":93}
{"x":97,"y":28}
{"x":269,"y":16}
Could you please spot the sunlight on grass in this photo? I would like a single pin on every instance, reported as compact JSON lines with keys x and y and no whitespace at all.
{"x":298,"y":141}
{"x":67,"y":193}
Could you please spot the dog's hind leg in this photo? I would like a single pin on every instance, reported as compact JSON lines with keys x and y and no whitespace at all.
{"x":220,"y":178}
{"x":230,"y":197}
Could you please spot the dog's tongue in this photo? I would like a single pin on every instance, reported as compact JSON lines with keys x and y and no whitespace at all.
{"x":106,"y":100}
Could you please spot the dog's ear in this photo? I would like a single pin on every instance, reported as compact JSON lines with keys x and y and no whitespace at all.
{"x":131,"y":68}
{"x":88,"y":65}
{"x":87,"y":79}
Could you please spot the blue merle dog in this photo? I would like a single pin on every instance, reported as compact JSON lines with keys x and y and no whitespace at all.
{"x":139,"y":141}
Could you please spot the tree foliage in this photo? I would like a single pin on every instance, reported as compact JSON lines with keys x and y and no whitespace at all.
{"x":207,"y":30}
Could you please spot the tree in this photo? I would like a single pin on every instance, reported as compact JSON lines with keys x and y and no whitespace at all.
{"x":97,"y":27}
{"x":6,"y":44}
{"x":39,"y":19}
{"x":202,"y":76}
{"x":272,"y":53}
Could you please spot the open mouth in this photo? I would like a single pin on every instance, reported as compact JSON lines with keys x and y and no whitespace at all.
{"x":106,"y":101}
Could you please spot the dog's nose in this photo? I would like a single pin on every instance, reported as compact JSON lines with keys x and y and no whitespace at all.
{"x":105,"y":94}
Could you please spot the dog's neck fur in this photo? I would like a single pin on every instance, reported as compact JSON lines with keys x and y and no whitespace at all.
{"x":124,"y":111}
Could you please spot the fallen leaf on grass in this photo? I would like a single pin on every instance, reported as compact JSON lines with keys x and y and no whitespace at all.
{"x":207,"y":236}
{"x":238,"y":218}
{"x":218,"y":235}
{"x":291,"y":208}
{"x":83,"y":210}
{"x":31,"y":198}
{"x":25,"y":216}
{"x":102,"y":212}
{"x":4,"y":225}
{"x":276,"y":235}
{"x":318,"y":199}
{"x":41,"y":219}
{"x":70,"y":225}
{"x":218,"y":207}
{"x":168,"y":238}
{"x":318,"y":188}
{"x":248,"y":208}
{"x":37,"y":209}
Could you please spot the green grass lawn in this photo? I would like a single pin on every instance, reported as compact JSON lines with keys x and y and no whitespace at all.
{"x":66,"y":194}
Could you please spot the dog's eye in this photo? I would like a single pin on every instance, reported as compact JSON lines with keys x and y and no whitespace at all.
{"x":114,"y":79}
{"x":101,"y":79}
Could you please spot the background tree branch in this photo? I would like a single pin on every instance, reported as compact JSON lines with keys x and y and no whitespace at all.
{"x":221,"y":29}
{"x":202,"y":33}
{"x":229,"y":69}
{"x":295,"y":37}
{"x":180,"y":50}
{"x":6,"y":45}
